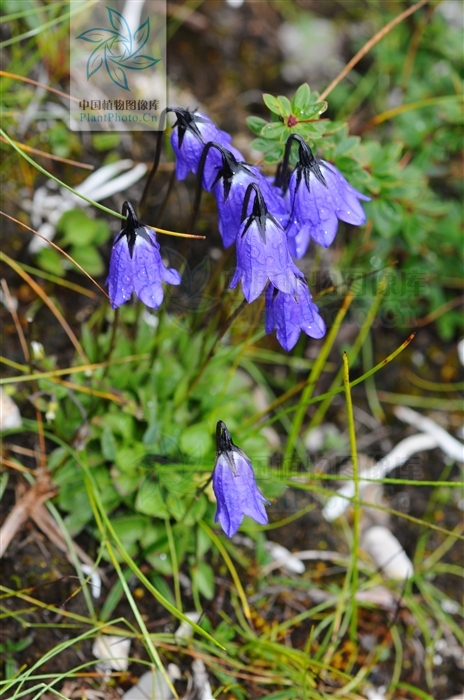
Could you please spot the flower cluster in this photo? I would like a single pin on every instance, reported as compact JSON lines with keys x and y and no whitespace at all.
{"x":234,"y":485}
{"x":270,"y":224}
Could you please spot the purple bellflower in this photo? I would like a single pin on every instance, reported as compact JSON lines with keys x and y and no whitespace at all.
{"x":191,"y":132}
{"x":262,"y":251}
{"x":234,"y":485}
{"x":136,"y":264}
{"x":228,"y":177}
{"x":319,"y":196}
{"x":290,"y":314}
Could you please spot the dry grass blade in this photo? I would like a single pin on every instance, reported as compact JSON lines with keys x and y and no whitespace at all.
{"x":46,"y":299}
{"x":57,"y":247}
{"x":50,"y":156}
{"x":24,"y":508}
{"x":16,"y":320}
{"x":14,"y":76}
{"x":46,"y":523}
{"x":368,"y":46}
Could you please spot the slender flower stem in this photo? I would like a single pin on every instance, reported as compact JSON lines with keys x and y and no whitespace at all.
{"x":312,"y":379}
{"x":173,"y":233}
{"x":233,"y":571}
{"x":112,"y":341}
{"x":63,"y":184}
{"x":156,"y":160}
{"x":355,"y":501}
{"x":221,"y":333}
{"x":46,"y":299}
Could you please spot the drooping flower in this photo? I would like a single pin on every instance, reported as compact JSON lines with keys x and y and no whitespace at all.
{"x":319,"y":197}
{"x":290,"y":314}
{"x":191,"y":132}
{"x":136,"y":264}
{"x":234,"y":485}
{"x":262,"y":251}
{"x":228,"y":178}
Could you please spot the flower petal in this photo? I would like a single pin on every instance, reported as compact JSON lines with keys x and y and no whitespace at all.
{"x":147,"y":278}
{"x":120,"y":276}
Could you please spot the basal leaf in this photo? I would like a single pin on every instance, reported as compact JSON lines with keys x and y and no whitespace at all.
{"x":150,"y":500}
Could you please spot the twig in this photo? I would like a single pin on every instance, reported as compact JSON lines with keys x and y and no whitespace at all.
{"x":46,"y":299}
{"x":57,"y":247}
{"x":24,"y":508}
{"x":368,"y":46}
{"x":46,"y":523}
{"x":16,"y":320}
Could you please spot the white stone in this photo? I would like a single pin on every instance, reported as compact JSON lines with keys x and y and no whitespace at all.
{"x":387,"y":553}
{"x":10,"y":416}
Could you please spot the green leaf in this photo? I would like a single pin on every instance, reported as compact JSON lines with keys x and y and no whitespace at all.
{"x":125,"y":484}
{"x":89,"y":343}
{"x":274,"y":131}
{"x":301,"y":99}
{"x":176,"y":506}
{"x":108,"y":445}
{"x":274,"y":154}
{"x":285,"y":105}
{"x":203,"y":578}
{"x":163,"y":587}
{"x":77,"y":227}
{"x":150,"y":500}
{"x":120,"y":423}
{"x":306,"y":131}
{"x":261,"y":144}
{"x":196,"y":511}
{"x":89,"y":258}
{"x":102,"y":232}
{"x":129,"y":458}
{"x":273,"y":104}
{"x":256,"y":124}
{"x":346,"y":146}
{"x":129,"y":528}
{"x":197,"y":440}
{"x":203,"y":543}
{"x":105,"y":142}
{"x":331,"y":127}
{"x":51,"y":261}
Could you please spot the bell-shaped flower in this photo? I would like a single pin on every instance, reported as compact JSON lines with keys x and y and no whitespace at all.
{"x":290,"y":314}
{"x":319,"y":197}
{"x":234,"y":485}
{"x":136,"y":264}
{"x":191,"y":132}
{"x":228,"y":178}
{"x":262,"y":251}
